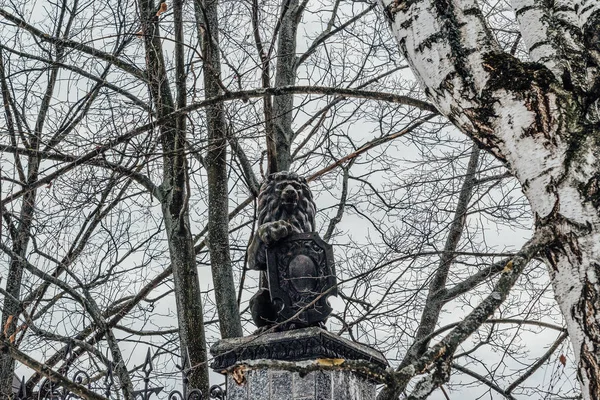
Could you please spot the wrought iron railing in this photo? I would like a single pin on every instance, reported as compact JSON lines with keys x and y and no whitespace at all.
{"x":49,"y":390}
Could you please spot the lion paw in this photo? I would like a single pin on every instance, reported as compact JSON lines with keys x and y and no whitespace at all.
{"x":271,"y":232}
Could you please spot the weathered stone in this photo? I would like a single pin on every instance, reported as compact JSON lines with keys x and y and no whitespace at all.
{"x":281,"y":384}
{"x":266,"y":384}
{"x":304,"y":386}
{"x":257,"y":381}
{"x":301,"y":276}
{"x":297,"y":269}
{"x":341,"y":386}
{"x":283,"y":366}
{"x":297,"y":345}
{"x":235,"y":391}
{"x":323,"y":385}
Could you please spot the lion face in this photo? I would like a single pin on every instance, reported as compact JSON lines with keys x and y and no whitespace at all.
{"x":286,"y":196}
{"x":289,"y":196}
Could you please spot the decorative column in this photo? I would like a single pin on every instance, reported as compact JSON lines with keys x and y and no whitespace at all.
{"x":303,"y":364}
{"x":290,"y":357}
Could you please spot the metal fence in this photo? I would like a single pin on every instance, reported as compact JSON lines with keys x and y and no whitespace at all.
{"x":49,"y":390}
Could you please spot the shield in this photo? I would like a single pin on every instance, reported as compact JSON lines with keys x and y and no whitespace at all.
{"x":301,"y":277}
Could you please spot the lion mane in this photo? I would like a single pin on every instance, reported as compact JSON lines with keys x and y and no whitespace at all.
{"x":270,"y":208}
{"x":278,"y":218}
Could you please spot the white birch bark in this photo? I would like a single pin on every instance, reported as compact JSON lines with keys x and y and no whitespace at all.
{"x":539,"y":118}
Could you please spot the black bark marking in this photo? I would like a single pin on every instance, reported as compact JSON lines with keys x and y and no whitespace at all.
{"x":550,"y":255}
{"x":591,"y":32}
{"x":406,"y":24}
{"x":395,"y":7}
{"x":530,"y":81}
{"x":525,"y":9}
{"x":578,"y":133}
{"x":589,"y":365}
{"x":509,"y":73}
{"x":585,"y":313}
{"x":539,"y":44}
{"x":387,"y":11}
{"x":451,"y":29}
{"x":591,"y":191}
{"x":480,"y":118}
{"x":473,"y":11}
{"x":427,"y":43}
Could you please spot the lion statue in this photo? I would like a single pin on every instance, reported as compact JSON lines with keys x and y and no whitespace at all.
{"x":285,"y":206}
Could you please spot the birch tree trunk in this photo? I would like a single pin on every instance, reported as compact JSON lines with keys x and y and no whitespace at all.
{"x":539,"y":117}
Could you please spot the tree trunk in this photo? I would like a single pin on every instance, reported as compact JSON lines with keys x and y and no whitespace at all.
{"x":539,"y":118}
{"x":11,"y":306}
{"x":189,"y":302}
{"x":174,"y":199}
{"x":216,"y":166}
{"x":435,"y":296}
{"x":574,"y":268}
{"x":283,"y":106}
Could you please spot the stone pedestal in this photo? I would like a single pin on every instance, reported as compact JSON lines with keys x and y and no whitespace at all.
{"x":304,"y":364}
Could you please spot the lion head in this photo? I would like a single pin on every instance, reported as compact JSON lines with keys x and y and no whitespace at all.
{"x":286,"y":196}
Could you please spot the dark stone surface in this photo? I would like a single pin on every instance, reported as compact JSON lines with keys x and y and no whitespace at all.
{"x":285,"y":207}
{"x":301,"y":277}
{"x":261,"y":356}
{"x":296,"y":345}
{"x":341,"y":385}
{"x":369,"y":391}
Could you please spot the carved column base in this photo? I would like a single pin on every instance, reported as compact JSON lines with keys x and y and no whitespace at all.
{"x":305,"y":364}
{"x":273,"y":384}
